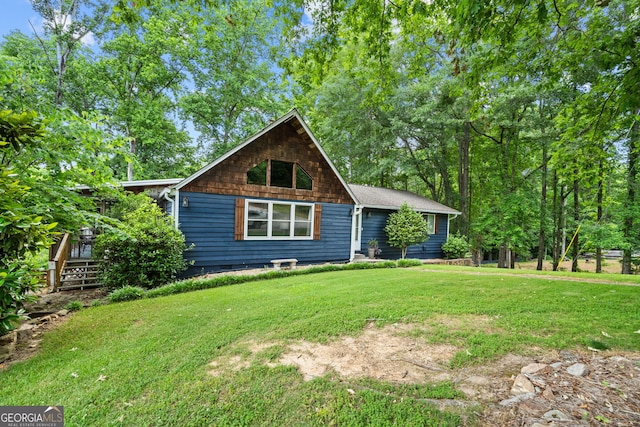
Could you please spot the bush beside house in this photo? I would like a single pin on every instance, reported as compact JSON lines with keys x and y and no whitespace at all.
{"x":146,"y":251}
{"x":456,"y":246}
{"x":406,"y":227}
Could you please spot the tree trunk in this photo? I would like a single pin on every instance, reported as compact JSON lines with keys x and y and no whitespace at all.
{"x":447,"y":187}
{"x":543,"y":209}
{"x":62,"y":56}
{"x":558,"y":215}
{"x":630,"y":234}
{"x":626,"y":261}
{"x":502,"y":256}
{"x":599,"y":214}
{"x":576,"y":218}
{"x":463,"y":177}
{"x":64,"y":46}
{"x":132,"y":150}
{"x":476,"y":257}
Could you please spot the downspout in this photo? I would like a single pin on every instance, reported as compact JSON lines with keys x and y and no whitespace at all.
{"x":176,"y":216}
{"x":449,"y":222}
{"x":174,"y":205}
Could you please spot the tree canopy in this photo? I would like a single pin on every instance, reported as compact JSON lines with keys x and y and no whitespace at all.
{"x":522,"y":115}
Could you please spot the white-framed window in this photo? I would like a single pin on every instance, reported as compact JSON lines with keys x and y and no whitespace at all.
{"x":273,"y":220}
{"x":431,"y":222}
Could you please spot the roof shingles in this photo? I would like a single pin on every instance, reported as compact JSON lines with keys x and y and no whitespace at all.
{"x":386,"y":198}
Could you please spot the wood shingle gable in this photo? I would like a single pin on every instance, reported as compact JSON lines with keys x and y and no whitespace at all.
{"x":287,"y":140}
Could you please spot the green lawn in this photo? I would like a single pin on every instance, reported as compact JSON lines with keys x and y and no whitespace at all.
{"x":146,"y":362}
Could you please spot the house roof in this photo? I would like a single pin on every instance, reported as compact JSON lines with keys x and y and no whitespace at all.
{"x":142,"y":183}
{"x":302,"y":128}
{"x":151,"y":182}
{"x":386,"y":198}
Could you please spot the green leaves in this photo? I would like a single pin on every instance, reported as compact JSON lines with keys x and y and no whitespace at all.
{"x":230,"y":58}
{"x":15,"y":282}
{"x":23,"y":231}
{"x":456,"y":246}
{"x":406,"y":227}
{"x":18,"y":130}
{"x":145,"y":251}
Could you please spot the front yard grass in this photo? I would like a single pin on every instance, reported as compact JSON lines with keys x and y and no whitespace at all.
{"x":146,"y":362}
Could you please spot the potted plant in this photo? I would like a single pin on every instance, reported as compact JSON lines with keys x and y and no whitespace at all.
{"x":373,"y":246}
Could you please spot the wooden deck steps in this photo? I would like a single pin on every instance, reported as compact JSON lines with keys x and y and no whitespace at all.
{"x":79,"y":274}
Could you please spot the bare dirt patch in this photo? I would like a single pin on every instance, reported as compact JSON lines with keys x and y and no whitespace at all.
{"x":54,"y":301}
{"x":24,"y":342}
{"x":382,"y":353}
{"x":609,"y":392}
{"x":47,"y":313}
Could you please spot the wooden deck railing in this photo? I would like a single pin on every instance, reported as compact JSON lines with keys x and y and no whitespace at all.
{"x":56,"y":265}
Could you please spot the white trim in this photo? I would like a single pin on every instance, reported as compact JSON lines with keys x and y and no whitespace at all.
{"x":151,"y":182}
{"x":435,"y":225}
{"x":269,"y":220}
{"x":355,"y":244}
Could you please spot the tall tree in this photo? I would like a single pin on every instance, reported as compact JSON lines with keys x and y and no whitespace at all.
{"x":231,"y":64}
{"x":430,"y":116}
{"x":66,"y":24}
{"x":139,"y":79}
{"x":350,"y":116}
{"x":596,"y":49}
{"x":632,"y":210}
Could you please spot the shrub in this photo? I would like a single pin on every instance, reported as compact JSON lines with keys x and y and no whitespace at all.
{"x":17,"y":283}
{"x":456,"y":246}
{"x":25,"y":223}
{"x":189,"y":285}
{"x":406,"y":227}
{"x":146,"y":251}
{"x":409,"y":262}
{"x":74,"y":306}
{"x":127,"y":293}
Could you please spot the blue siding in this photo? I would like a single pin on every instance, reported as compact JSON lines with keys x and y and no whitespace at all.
{"x":373,"y":223}
{"x":208,"y":222}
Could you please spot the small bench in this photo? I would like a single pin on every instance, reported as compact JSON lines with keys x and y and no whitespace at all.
{"x":291,"y":261}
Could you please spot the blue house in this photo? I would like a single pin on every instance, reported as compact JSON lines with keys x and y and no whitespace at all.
{"x":278,"y":195}
{"x":376,"y":204}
